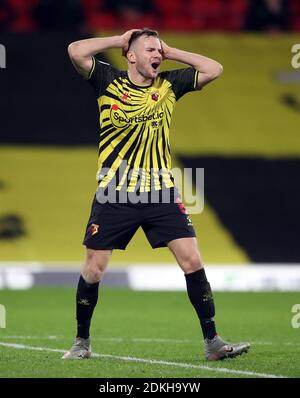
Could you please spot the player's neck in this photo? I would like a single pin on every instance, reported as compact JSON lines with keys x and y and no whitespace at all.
{"x":138,"y":79}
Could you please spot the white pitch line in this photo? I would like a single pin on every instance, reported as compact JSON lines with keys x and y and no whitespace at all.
{"x":149,"y":361}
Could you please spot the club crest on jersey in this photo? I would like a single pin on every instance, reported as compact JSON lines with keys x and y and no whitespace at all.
{"x":125,"y":97}
{"x":155,"y":96}
{"x":94,"y":229}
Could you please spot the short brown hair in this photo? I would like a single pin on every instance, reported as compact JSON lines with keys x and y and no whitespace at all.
{"x":144,"y":32}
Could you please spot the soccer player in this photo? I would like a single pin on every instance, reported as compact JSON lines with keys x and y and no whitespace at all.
{"x":134,"y":157}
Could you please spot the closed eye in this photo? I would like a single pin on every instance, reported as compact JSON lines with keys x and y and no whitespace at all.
{"x":154,"y":49}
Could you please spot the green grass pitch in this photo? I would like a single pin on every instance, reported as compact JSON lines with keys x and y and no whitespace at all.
{"x":146,"y":334}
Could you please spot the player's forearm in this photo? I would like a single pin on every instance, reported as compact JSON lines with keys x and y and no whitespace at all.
{"x":89,"y":47}
{"x":199,"y":62}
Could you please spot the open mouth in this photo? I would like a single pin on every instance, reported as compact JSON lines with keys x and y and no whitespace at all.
{"x":155,"y":65}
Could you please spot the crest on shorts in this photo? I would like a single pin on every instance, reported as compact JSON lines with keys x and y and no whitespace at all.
{"x":94,"y":229}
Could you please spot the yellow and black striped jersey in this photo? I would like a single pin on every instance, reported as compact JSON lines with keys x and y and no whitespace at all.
{"x":134,"y":148}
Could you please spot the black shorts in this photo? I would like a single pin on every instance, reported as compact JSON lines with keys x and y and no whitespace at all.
{"x":112,"y":225}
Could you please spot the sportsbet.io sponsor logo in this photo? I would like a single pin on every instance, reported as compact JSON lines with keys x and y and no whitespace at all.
{"x":119,"y":118}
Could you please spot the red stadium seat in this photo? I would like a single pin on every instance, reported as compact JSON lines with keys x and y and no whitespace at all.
{"x":172,"y":22}
{"x":211,"y":8}
{"x":91,"y":5}
{"x":295,"y":24}
{"x":206,"y":15}
{"x":169,"y":6}
{"x":102,"y":20}
{"x":22,"y":18}
{"x":295,"y":7}
{"x":147,"y":21}
{"x":235,"y":14}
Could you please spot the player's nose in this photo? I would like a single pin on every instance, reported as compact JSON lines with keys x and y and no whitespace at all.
{"x":158,"y":55}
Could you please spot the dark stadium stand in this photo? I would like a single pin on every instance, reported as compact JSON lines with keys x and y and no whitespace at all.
{"x":178,"y":15}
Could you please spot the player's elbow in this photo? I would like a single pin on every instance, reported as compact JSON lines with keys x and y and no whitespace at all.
{"x":220,"y":69}
{"x":74,"y":51}
{"x":216,"y":70}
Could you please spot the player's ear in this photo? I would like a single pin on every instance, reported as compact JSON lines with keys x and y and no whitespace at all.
{"x":131,"y":56}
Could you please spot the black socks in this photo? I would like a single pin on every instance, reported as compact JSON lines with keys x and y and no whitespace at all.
{"x":86,"y":300}
{"x":200,"y":295}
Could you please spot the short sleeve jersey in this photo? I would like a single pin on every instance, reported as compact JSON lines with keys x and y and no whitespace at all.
{"x":134,"y":148}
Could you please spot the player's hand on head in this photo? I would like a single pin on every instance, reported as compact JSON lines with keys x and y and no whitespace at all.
{"x":125,"y":39}
{"x":165,"y":49}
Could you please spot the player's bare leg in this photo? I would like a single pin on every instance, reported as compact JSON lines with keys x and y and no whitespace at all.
{"x":95,"y":265}
{"x":187,"y":254}
{"x":86,"y":300}
{"x":188,"y":257}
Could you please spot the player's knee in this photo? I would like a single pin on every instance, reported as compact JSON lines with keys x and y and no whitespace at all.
{"x":191,"y":263}
{"x":94,"y":269}
{"x":96,"y":261}
{"x":91,"y":273}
